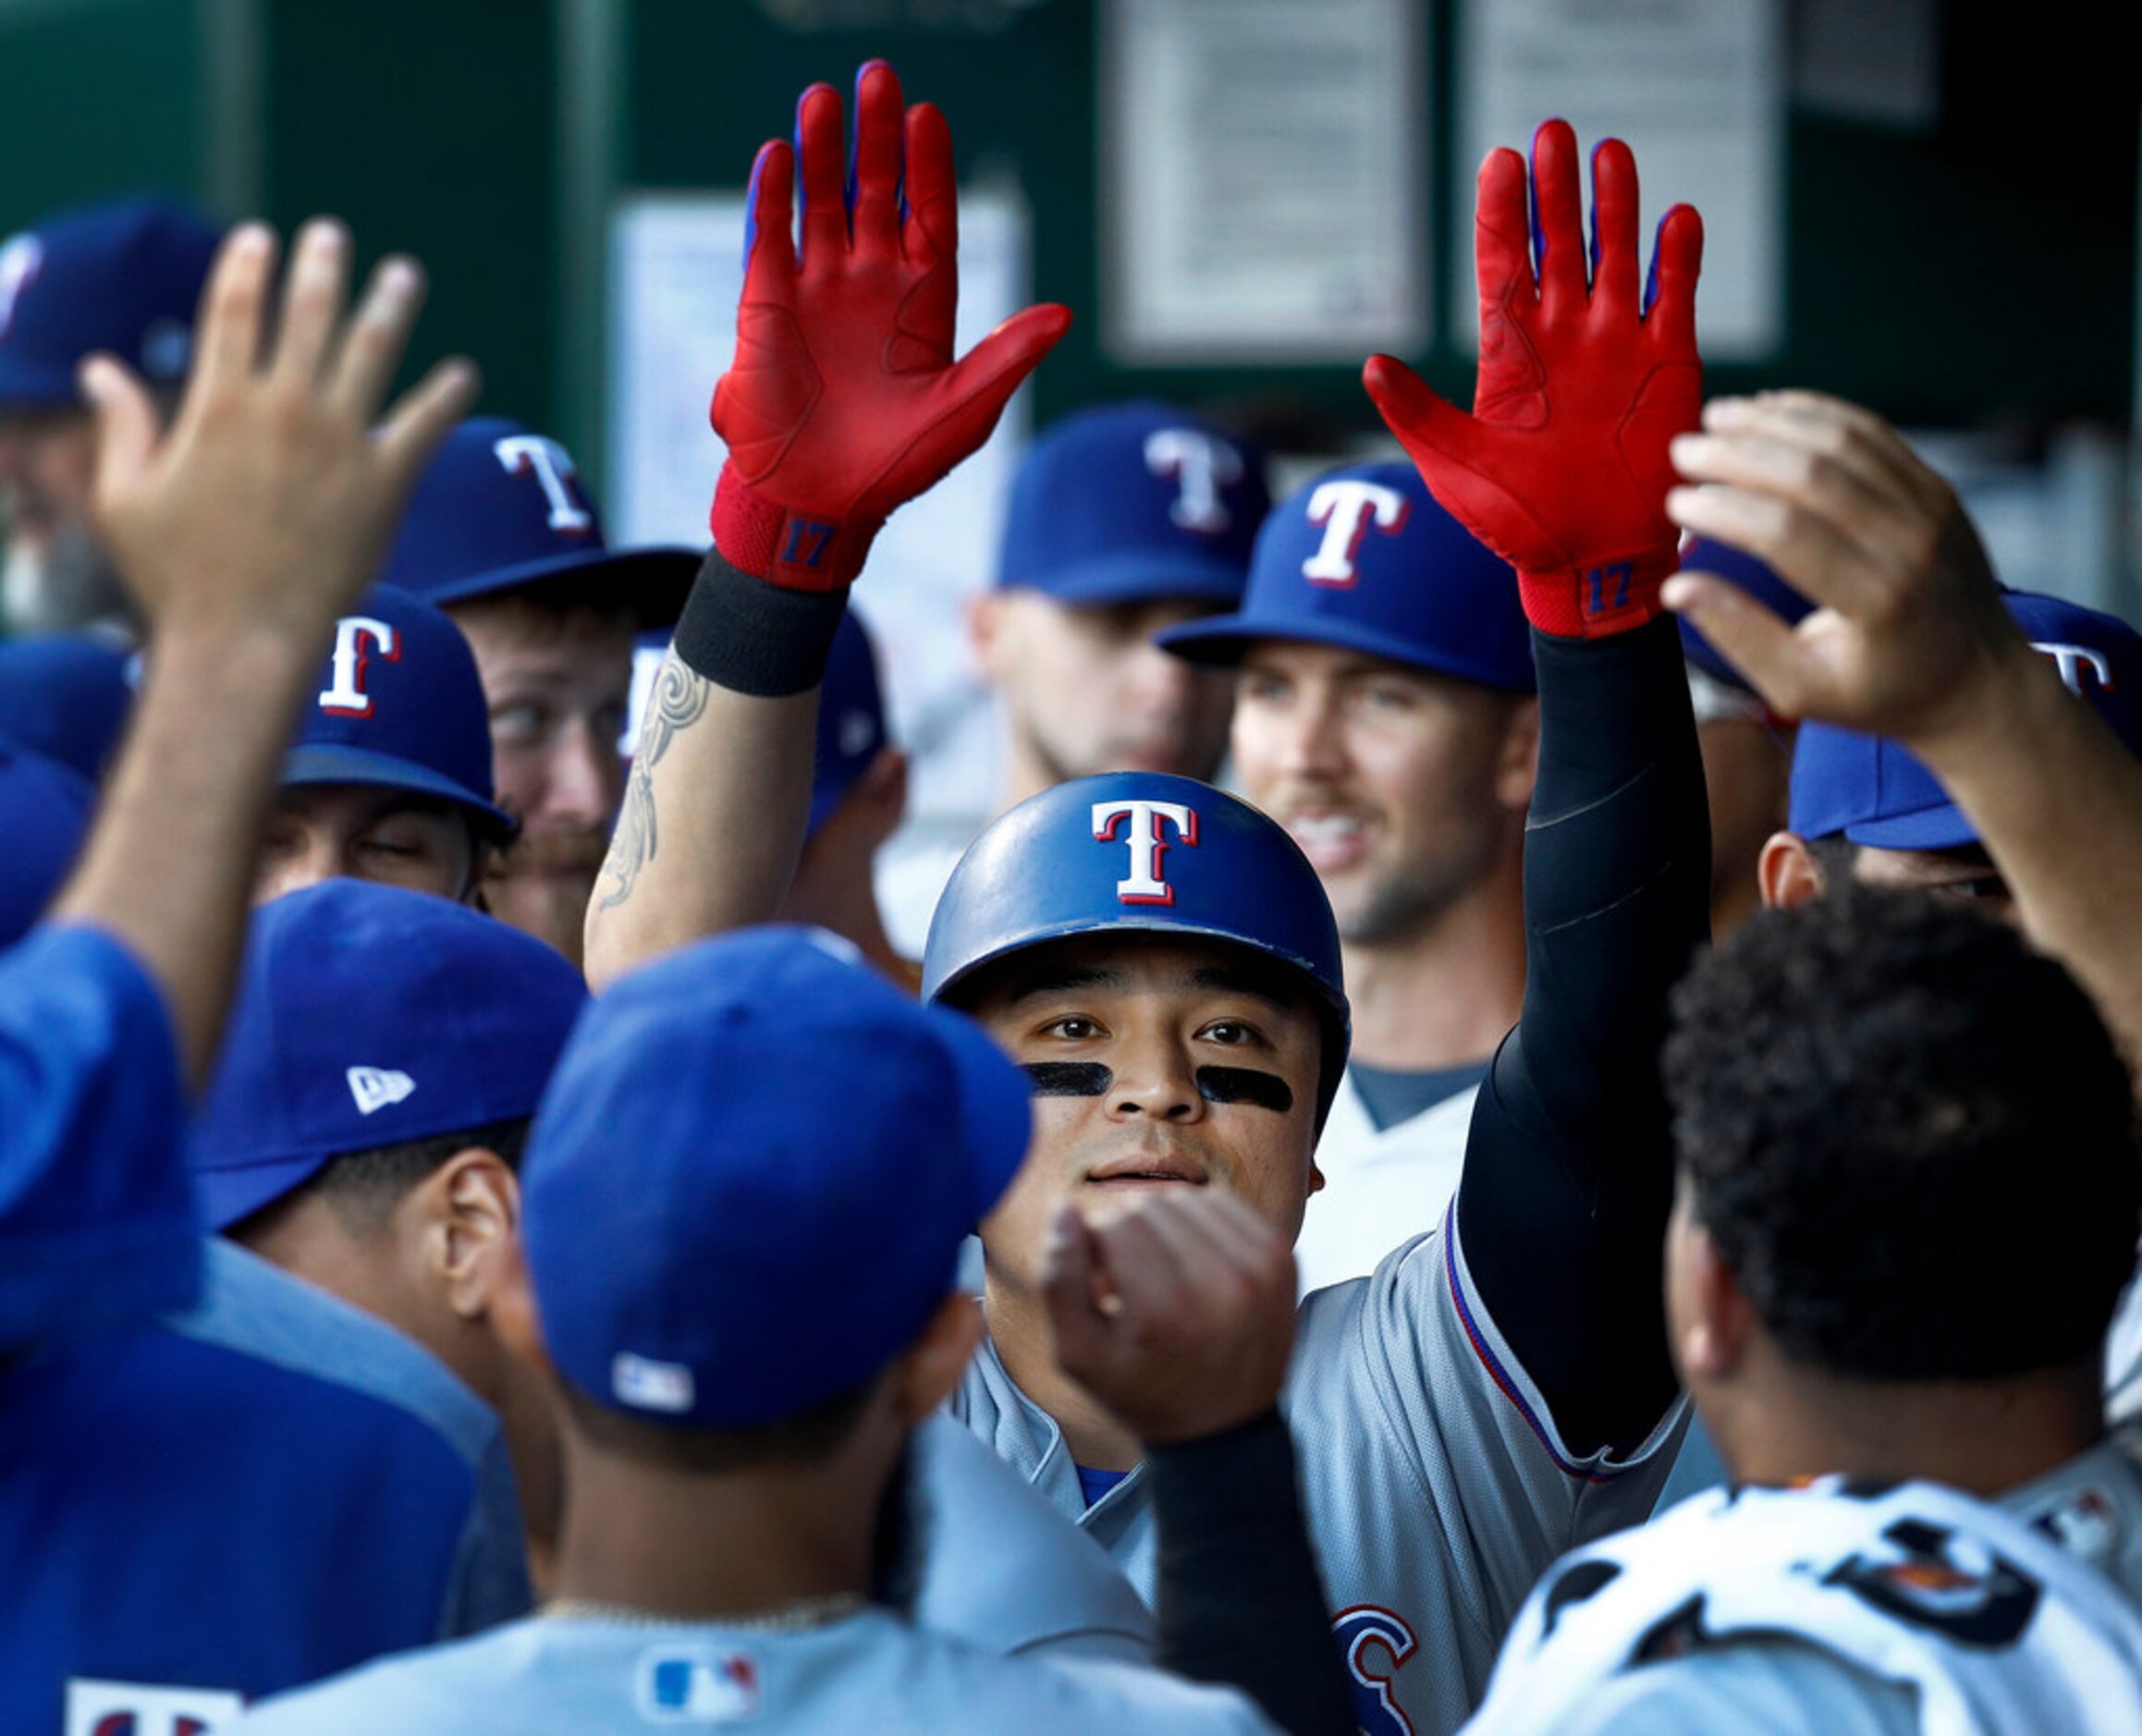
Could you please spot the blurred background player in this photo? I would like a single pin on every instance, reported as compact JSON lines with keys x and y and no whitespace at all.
{"x":390,"y":777}
{"x":731,"y":1491}
{"x":502,"y":535}
{"x":124,"y":280}
{"x":1384,"y":715}
{"x":1748,"y":748}
{"x":1859,"y":1086}
{"x":66,"y":696}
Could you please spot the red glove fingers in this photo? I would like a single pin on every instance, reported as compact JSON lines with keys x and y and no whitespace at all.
{"x":1561,"y":469}
{"x":844,"y":399}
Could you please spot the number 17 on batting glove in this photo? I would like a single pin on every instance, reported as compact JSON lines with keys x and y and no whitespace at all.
{"x":844,"y":399}
{"x":1561,"y":469}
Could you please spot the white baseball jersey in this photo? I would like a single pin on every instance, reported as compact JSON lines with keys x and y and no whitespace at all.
{"x":1380,"y":1186}
{"x":870,"y":1672}
{"x":1909,"y":1611}
{"x":1436,"y":1487}
{"x":2123,"y":1358}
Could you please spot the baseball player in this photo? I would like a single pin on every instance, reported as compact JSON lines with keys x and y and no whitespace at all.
{"x":1162,"y":957}
{"x":1123,"y":520}
{"x":390,"y":777}
{"x":367,"y":1487}
{"x":122,"y":280}
{"x":1927,"y":1530}
{"x":244,"y":531}
{"x":740,"y":1385}
{"x":501,"y":534}
{"x":45,"y":813}
{"x":1384,"y":716}
{"x":363,"y":1132}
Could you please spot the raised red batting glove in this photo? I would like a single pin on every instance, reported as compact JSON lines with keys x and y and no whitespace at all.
{"x":844,"y":401}
{"x":1562,"y":468}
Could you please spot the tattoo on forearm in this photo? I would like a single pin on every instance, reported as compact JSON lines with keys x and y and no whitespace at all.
{"x":680,"y":700}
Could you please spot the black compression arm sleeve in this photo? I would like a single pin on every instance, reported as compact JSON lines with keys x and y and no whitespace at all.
{"x":1568,"y":1168}
{"x":755,"y":638}
{"x":1240,"y":1599}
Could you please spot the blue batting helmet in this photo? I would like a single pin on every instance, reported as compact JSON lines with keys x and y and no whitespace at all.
{"x":1141,"y":852}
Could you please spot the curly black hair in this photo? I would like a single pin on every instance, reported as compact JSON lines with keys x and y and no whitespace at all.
{"x":1910,"y":1137}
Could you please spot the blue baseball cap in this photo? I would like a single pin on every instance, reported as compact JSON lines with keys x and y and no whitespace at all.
{"x":1699,"y":554}
{"x":369,"y":1016}
{"x":124,"y":279}
{"x":500,"y":508}
{"x":1134,"y":502}
{"x":400,"y":707}
{"x":1872,"y":791}
{"x":1363,"y":557}
{"x":66,"y":696}
{"x":747,"y":1186}
{"x":850,"y":717}
{"x":44,"y":815}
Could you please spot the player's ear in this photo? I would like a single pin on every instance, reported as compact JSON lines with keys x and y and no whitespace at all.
{"x":931,"y":1365}
{"x":475,"y":1213}
{"x":988,"y":625}
{"x":1715,"y":1324}
{"x":1518,"y":763}
{"x":1787,"y":872}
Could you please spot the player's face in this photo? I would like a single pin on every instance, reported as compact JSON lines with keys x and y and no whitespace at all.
{"x":1156,"y":1064}
{"x":347,"y":831}
{"x":54,"y":576}
{"x":1405,"y":789}
{"x":558,"y":683}
{"x":1966,"y":874}
{"x":1087,"y":690}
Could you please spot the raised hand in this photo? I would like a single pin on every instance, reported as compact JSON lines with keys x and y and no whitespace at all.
{"x":1909,"y":625}
{"x":1178,"y":1315}
{"x":844,"y":399}
{"x":1561,"y":469}
{"x":268,"y":505}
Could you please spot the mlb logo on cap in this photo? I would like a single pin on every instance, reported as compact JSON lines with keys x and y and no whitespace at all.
{"x":400,"y":707}
{"x":124,"y":278}
{"x":1134,"y":502}
{"x":501,"y":507}
{"x":1871,"y":791}
{"x":1363,"y":557}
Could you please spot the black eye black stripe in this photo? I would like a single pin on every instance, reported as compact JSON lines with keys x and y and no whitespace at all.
{"x":1068,"y":1079}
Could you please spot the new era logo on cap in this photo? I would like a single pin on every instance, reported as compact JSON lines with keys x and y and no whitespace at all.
{"x":375,"y":1087}
{"x":647,"y":1385}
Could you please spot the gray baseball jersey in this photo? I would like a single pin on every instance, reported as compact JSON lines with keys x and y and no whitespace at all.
{"x":1436,"y":1485}
{"x":870,"y":1672}
{"x":1882,"y":1664}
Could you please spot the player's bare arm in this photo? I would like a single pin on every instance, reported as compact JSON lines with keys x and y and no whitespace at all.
{"x":1179,"y":1316}
{"x":1909,"y":639}
{"x":242,"y":533}
{"x":844,"y":402}
{"x":1562,"y":468}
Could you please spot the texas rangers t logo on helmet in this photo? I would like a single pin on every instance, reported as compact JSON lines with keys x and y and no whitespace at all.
{"x":1346,"y":507}
{"x":1202,"y":467}
{"x":551,"y":465}
{"x":345,"y":696}
{"x":1148,"y":848}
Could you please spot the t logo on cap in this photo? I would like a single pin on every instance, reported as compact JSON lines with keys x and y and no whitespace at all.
{"x":20,"y":261}
{"x":1147,"y":847}
{"x":2072,"y":660}
{"x":1201,"y":466}
{"x":525,"y":455}
{"x":345,"y":696}
{"x":1345,"y":506}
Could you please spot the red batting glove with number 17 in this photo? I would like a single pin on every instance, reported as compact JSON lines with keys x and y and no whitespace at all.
{"x":844,"y":401}
{"x":1562,"y":468}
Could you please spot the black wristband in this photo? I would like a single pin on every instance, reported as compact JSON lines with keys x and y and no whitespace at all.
{"x":755,"y":638}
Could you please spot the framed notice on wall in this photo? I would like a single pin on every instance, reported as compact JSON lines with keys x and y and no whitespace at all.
{"x":1263,"y":180}
{"x":1696,"y":88}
